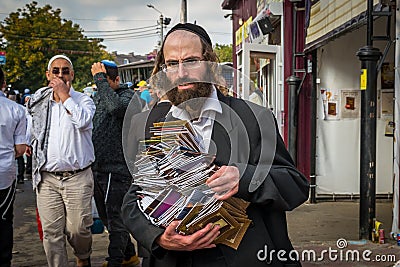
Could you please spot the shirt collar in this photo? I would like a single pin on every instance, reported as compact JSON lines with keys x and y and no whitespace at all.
{"x":212,"y":104}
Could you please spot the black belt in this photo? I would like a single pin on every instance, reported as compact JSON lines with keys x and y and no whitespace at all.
{"x":68,"y":173}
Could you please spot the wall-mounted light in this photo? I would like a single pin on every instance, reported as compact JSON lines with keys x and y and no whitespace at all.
{"x":231,"y":15}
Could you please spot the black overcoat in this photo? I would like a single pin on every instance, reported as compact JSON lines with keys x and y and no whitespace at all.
{"x":244,"y":135}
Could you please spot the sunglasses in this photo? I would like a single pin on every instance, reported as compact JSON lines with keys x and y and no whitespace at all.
{"x":64,"y":71}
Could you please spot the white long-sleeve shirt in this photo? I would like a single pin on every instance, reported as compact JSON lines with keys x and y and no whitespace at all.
{"x":12,"y":132}
{"x":70,"y":144}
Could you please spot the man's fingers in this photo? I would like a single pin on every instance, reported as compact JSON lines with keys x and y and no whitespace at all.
{"x":209,"y":237}
{"x":217,"y":174}
{"x":171,"y":227}
{"x":98,"y":67}
{"x":225,"y":195}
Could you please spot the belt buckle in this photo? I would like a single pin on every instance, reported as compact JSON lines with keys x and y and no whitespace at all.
{"x":65,"y":174}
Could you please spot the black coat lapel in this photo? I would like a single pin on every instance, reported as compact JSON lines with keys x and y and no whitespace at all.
{"x":223,"y":133}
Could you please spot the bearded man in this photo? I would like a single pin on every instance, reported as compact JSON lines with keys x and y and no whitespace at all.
{"x":254,"y":164}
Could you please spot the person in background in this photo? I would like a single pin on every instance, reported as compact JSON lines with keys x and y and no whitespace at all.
{"x":111,"y":174}
{"x":62,"y":156}
{"x":12,"y":145}
{"x":265,"y":176}
{"x":20,"y":159}
{"x":137,"y":127}
{"x":10,"y":94}
{"x":27,"y":92}
{"x":145,"y":93}
{"x":256,"y":96}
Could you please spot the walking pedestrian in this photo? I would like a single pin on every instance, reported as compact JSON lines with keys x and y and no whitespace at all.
{"x":20,"y":159}
{"x":111,"y":174}
{"x":62,"y":156}
{"x":12,"y":145}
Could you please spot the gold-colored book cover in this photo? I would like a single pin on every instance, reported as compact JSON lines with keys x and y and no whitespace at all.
{"x":172,"y":173}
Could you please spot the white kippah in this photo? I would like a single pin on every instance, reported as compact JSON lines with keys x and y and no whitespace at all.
{"x":57,"y":57}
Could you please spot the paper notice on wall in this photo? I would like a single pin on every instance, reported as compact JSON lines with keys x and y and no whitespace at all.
{"x":350,"y":104}
{"x":387,"y":75}
{"x":387,"y":103}
{"x":330,"y":101}
{"x":386,"y":106}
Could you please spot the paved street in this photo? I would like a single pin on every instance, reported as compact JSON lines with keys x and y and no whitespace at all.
{"x":28,"y":249}
{"x":315,"y":227}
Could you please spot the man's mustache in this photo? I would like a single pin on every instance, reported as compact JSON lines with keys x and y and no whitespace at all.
{"x":181,"y":81}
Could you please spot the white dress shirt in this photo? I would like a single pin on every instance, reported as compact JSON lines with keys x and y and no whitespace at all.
{"x":12,"y":132}
{"x":70,"y":144}
{"x":204,"y":125}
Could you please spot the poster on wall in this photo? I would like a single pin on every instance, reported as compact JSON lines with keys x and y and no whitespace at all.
{"x":350,"y":104}
{"x":387,"y":75}
{"x":387,"y":103}
{"x":330,"y":100}
{"x":386,"y":110}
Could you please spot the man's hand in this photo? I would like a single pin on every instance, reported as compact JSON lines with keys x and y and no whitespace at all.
{"x":224,"y":182}
{"x":60,"y":88}
{"x":19,"y":150}
{"x":28,"y":151}
{"x":97,"y":68}
{"x":202,"y":239}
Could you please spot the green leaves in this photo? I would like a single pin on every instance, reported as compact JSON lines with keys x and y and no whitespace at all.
{"x":224,"y":52}
{"x":33,"y":35}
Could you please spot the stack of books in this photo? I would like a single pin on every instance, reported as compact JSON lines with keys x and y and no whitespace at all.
{"x":172,"y":172}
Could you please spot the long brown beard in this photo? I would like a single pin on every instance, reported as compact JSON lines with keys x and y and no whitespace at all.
{"x":191,"y":100}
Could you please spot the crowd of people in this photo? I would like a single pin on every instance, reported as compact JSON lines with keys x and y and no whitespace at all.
{"x":76,"y":142}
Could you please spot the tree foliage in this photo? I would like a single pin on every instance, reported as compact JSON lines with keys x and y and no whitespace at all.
{"x":32,"y":35}
{"x":224,"y":52}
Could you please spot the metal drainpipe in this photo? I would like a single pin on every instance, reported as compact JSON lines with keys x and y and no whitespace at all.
{"x":369,"y":57}
{"x":313,"y":153}
{"x":293,"y":82}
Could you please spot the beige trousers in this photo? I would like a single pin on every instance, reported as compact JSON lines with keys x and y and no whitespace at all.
{"x":65,"y":210}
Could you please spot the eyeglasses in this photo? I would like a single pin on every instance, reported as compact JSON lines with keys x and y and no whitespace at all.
{"x":173,"y":65}
{"x":64,"y":71}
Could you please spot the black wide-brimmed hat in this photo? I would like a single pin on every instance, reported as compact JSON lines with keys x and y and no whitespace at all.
{"x":193,"y":28}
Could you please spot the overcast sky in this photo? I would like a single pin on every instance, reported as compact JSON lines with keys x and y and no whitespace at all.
{"x":109,"y":15}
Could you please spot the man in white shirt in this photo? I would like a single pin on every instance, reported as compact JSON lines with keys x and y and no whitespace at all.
{"x":12,"y":145}
{"x":62,"y":155}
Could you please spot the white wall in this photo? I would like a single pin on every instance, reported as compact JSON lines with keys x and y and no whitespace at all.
{"x":338,"y":141}
{"x":396,"y":161}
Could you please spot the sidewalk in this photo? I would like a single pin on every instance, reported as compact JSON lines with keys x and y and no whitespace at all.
{"x":28,"y":249}
{"x":334,"y":226}
{"x":312,"y":227}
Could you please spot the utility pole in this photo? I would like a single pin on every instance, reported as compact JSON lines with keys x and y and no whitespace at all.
{"x":162,"y":29}
{"x":183,"y":11}
{"x":369,"y":57}
{"x":161,"y":22}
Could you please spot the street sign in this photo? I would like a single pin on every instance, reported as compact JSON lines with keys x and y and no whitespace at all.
{"x":2,"y":58}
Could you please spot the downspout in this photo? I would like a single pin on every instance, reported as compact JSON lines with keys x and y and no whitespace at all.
{"x":313,"y":182}
{"x":293,"y":82}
